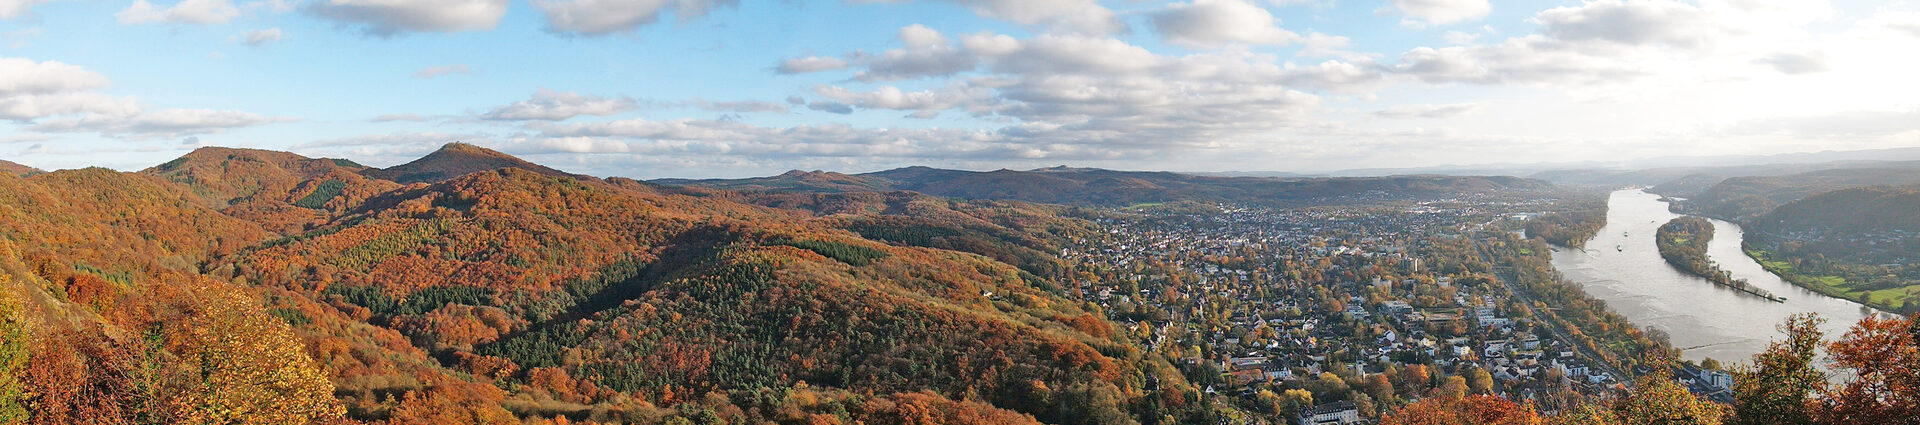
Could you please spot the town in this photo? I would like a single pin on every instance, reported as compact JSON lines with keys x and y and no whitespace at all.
{"x":1336,"y":314}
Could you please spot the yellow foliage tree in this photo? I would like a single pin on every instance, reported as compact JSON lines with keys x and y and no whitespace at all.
{"x":249,"y":367}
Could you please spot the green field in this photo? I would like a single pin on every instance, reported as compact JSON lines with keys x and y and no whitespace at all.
{"x":1890,"y":299}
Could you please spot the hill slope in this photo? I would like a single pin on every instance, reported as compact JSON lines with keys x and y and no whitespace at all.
{"x":1746,"y":198}
{"x":511,"y":276}
{"x":281,"y":191}
{"x":17,"y":169}
{"x":1852,"y":211}
{"x":1855,"y":243}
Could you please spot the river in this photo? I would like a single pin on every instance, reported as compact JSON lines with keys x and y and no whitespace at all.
{"x":1622,"y":266}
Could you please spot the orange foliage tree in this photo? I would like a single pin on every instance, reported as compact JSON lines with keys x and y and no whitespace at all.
{"x":1884,"y":354}
{"x":1469,"y":410}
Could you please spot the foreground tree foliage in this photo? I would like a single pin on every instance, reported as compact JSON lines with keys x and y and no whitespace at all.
{"x":1884,"y":355}
{"x":107,"y":320}
{"x":1777,"y":387}
{"x":1450,"y":409}
{"x":1780,"y":386}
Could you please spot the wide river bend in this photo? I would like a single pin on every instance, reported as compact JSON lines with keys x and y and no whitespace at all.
{"x":1622,"y":266}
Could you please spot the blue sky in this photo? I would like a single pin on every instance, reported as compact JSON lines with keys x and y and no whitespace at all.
{"x":717,"y":88}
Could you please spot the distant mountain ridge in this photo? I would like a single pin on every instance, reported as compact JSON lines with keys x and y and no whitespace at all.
{"x":1667,"y":163}
{"x":1100,"y":187}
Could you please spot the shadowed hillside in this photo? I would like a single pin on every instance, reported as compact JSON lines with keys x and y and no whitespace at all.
{"x":1746,"y":198}
{"x":1857,"y":210}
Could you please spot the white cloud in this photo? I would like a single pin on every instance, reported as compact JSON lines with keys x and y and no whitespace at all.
{"x":602,"y":17}
{"x":810,"y":64}
{"x":927,"y":53}
{"x":10,"y":9}
{"x":976,"y":100}
{"x":1441,"y":12}
{"x":1637,"y":23}
{"x":1614,"y":41}
{"x":270,"y":6}
{"x":1319,"y":45}
{"x":1065,"y":16}
{"x":743,"y":106}
{"x":1795,"y":63}
{"x":399,"y":117}
{"x":29,"y":107}
{"x":1061,"y":97}
{"x":550,"y":105}
{"x":387,"y":18}
{"x":439,"y":70}
{"x":184,"y":12}
{"x":261,"y":37}
{"x":32,"y":90}
{"x":831,"y":107}
{"x":1525,"y":60}
{"x":24,"y":76}
{"x":1427,"y":111}
{"x":735,"y":139}
{"x":1899,"y":21}
{"x":165,"y":123}
{"x":1062,"y":54}
{"x":1334,"y":76}
{"x":1098,"y":93}
{"x":1212,"y":23}
{"x":60,"y":98}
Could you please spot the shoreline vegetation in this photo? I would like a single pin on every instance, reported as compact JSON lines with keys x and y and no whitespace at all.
{"x":1683,"y":243}
{"x":1828,"y":285}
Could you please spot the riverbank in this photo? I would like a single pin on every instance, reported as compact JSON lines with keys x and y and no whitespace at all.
{"x":1832,"y":286}
{"x":1623,"y":268}
{"x":1683,"y":243}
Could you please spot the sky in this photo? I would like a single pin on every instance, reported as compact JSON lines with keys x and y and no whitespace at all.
{"x":737,"y":88}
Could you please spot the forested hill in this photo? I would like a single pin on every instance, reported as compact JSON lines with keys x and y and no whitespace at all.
{"x":1746,"y":198}
{"x":1097,"y":187}
{"x":1855,"y":243}
{"x":1853,"y":211}
{"x":245,"y":286}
